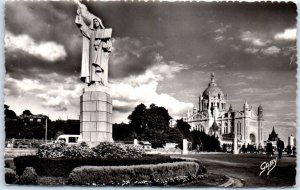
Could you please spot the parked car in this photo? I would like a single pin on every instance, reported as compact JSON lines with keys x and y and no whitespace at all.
{"x":147,"y":146}
{"x":69,"y":139}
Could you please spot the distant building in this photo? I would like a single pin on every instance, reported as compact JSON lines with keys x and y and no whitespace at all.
{"x":34,"y":119}
{"x":215,"y":118}
{"x":291,"y":141}
{"x":273,"y":138}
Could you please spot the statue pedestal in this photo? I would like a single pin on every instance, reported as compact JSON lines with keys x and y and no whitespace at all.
{"x":95,"y":115}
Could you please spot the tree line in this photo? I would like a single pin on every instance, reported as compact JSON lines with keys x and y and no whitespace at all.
{"x":145,"y":124}
{"x":152,"y":124}
{"x":17,"y":127}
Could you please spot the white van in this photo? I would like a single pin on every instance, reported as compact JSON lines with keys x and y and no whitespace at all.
{"x":69,"y":139}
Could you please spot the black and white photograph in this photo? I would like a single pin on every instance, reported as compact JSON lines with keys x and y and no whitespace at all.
{"x":150,"y":93}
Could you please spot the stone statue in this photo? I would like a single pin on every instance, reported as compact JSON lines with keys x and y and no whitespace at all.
{"x":96,"y":47}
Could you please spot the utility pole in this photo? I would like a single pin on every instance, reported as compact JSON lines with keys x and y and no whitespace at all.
{"x":46,"y":130}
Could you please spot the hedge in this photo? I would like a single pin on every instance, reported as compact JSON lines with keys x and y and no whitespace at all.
{"x":29,"y":177}
{"x":63,"y":167}
{"x":10,"y":176}
{"x":110,"y":175}
{"x":202,"y":168}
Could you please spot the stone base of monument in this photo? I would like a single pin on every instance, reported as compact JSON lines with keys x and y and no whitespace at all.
{"x":95,"y":115}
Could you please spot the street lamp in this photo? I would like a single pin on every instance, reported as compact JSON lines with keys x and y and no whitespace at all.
{"x":46,"y":130}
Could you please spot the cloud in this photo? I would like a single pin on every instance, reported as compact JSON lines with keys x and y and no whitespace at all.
{"x":268,"y":92}
{"x":288,"y":34}
{"x":136,"y":89}
{"x":221,"y":31}
{"x":251,"y":50}
{"x":273,"y":50}
{"x":61,"y":93}
{"x":219,"y":38}
{"x":54,"y":91}
{"x":48,"y":50}
{"x":14,"y":87}
{"x":131,"y":56}
{"x":253,"y":39}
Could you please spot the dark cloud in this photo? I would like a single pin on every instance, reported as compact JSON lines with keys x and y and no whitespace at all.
{"x":123,"y":109}
{"x":131,"y":57}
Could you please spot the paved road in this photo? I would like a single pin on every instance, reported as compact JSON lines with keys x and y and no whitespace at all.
{"x":247,"y":168}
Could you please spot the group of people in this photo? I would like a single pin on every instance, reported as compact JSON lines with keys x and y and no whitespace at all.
{"x":269,"y":149}
{"x":280,"y":149}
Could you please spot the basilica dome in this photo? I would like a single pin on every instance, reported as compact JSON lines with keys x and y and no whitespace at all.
{"x":213,"y":90}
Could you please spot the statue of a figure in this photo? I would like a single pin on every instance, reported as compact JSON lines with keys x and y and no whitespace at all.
{"x":96,"y":47}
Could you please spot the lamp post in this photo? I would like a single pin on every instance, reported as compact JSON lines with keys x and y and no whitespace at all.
{"x":46,"y":130}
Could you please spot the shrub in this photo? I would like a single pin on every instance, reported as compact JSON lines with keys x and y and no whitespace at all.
{"x":118,"y":151}
{"x":112,"y":175}
{"x":61,"y":150}
{"x":62,"y":167}
{"x":29,"y":176}
{"x":10,"y":176}
{"x":202,"y":169}
{"x":82,"y":151}
{"x":109,"y":150}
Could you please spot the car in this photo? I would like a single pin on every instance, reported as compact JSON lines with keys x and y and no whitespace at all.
{"x":69,"y":139}
{"x":146,"y":145}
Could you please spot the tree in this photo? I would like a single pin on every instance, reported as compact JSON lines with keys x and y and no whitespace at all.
{"x":26,"y":112}
{"x":9,"y":114}
{"x":208,"y":143}
{"x":184,"y":129}
{"x":157,"y":118}
{"x":152,"y":124}
{"x":137,"y":118}
{"x":122,"y":132}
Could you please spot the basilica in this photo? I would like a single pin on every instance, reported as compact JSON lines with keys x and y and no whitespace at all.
{"x":215,"y":117}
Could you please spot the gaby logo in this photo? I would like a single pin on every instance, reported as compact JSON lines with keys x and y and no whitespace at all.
{"x":268,"y":166}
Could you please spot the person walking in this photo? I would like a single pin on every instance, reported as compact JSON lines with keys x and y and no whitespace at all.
{"x":280,"y":147}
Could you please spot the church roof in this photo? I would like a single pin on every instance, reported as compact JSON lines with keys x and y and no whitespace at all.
{"x":212,"y":89}
{"x":215,"y":126}
{"x":273,"y":136}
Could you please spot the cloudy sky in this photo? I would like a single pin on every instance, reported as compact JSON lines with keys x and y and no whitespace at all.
{"x":163,"y":53}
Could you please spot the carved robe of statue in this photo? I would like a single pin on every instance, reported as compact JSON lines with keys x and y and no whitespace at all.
{"x":96,"y":47}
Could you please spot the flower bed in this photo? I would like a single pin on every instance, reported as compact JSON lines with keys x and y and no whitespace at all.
{"x":117,"y":175}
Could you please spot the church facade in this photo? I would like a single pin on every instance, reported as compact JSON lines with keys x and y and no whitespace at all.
{"x":215,"y":117}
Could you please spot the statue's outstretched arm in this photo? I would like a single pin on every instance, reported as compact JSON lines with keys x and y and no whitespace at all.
{"x":86,"y":14}
{"x":81,"y":24}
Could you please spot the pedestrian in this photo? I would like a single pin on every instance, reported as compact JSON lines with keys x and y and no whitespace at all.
{"x":294,"y":150}
{"x":280,"y":147}
{"x":269,"y":149}
{"x":244,"y":149}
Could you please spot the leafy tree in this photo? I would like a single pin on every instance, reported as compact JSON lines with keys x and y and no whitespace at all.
{"x":209,"y":143}
{"x":9,"y":114}
{"x":184,"y":129}
{"x":137,"y":118}
{"x":27,"y":112}
{"x":157,"y":118}
{"x":122,"y":132}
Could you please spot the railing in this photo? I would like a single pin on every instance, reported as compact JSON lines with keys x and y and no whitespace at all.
{"x":25,"y":143}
